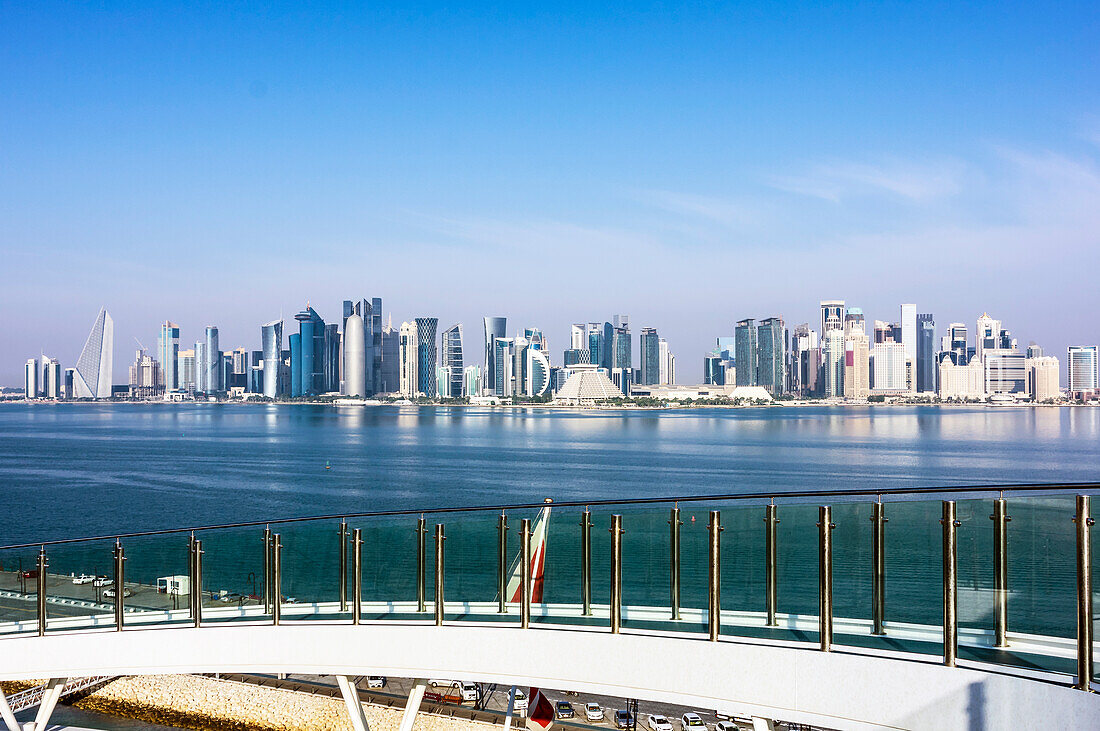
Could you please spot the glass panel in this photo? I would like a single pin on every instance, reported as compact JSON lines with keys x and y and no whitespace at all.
{"x":156,"y":579}
{"x":19,"y":590}
{"x":470,"y":563}
{"x":798,"y":582}
{"x":646,"y":573}
{"x":233,"y":566}
{"x":744,"y":564}
{"x":914,"y":576}
{"x":78,"y":576}
{"x":310,"y":577}
{"x":563,"y":585}
{"x":389,"y":565}
{"x":852,"y":551}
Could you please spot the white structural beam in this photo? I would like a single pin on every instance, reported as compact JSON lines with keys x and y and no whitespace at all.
{"x":5,"y":713}
{"x":49,"y":701}
{"x":412,"y":706}
{"x":511,"y":708}
{"x":351,"y":700}
{"x":839,"y":689}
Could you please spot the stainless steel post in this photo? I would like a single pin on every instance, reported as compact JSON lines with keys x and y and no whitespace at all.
{"x":502,"y":563}
{"x":674,"y":524}
{"x":616,"y":573}
{"x":1084,"y":593}
{"x":421,"y":537}
{"x":825,"y":527}
{"x":120,"y":584}
{"x":878,"y":568}
{"x":267,"y":571}
{"x":357,"y":575}
{"x":771,"y":564}
{"x":525,"y":572}
{"x":950,"y":584}
{"x":714,"y":577}
{"x":586,"y":562}
{"x":343,"y":565}
{"x":1000,"y":571}
{"x":196,"y":592}
{"x":439,"y":538}
{"x":41,"y":583}
{"x":276,"y":578}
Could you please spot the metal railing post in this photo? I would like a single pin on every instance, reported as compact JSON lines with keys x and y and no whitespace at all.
{"x":1084,"y":593}
{"x":343,"y":565}
{"x":825,"y":527}
{"x":421,"y":550}
{"x":616,"y":608}
{"x":439,"y":538}
{"x":195,"y":593}
{"x":120,"y":584}
{"x":502,"y":563}
{"x":1000,"y":520}
{"x":525,"y":572}
{"x":267,"y":570}
{"x":950,"y":584}
{"x":276,"y":578}
{"x":357,"y":575}
{"x":40,"y":599}
{"x":714,"y":576}
{"x":771,"y":565}
{"x":878,"y":568}
{"x":674,"y":524}
{"x":586,"y":563}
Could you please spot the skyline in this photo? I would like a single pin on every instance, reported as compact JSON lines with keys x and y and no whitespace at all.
{"x":690,"y":166}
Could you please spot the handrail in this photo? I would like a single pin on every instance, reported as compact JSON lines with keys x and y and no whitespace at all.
{"x":1064,"y":487}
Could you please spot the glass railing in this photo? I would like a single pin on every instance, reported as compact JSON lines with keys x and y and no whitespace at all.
{"x":1004,"y":581}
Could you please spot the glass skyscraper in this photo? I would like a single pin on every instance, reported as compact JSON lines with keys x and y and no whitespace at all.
{"x":495,"y":327}
{"x":745,"y":344}
{"x":771,"y":355}
{"x":308,"y":366}
{"x":212,"y":361}
{"x":452,"y":359}
{"x":271,"y":336}
{"x":650,"y":354}
{"x":168,"y":350}
{"x":926,"y":353}
{"x":426,"y":328}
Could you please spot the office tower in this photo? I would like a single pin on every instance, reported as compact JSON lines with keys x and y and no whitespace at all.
{"x":451,"y":347}
{"x":909,"y":331}
{"x":364,"y":309}
{"x":1034,"y":350}
{"x":271,"y":339}
{"x":801,"y":380}
{"x":503,"y":364}
{"x":390,"y":380}
{"x":240,"y":362}
{"x":410,"y":360}
{"x":1005,"y":371}
{"x":888,"y":367}
{"x":70,"y":380}
{"x":51,"y":378}
{"x":426,"y":352}
{"x":620,"y":348}
{"x":30,"y":379}
{"x":1042,"y":378}
{"x":575,"y":356}
{"x":519,"y":365}
{"x":355,"y":356}
{"x":471,"y":376}
{"x":145,"y":376}
{"x":595,"y":343}
{"x":93,"y":367}
{"x":955,"y":342}
{"x":168,"y":349}
{"x":212,"y":363}
{"x":714,"y":372}
{"x":1082,"y":368}
{"x":607,"y":346}
{"x":621,"y":321}
{"x":650,"y":346}
{"x":187,"y":370}
{"x":925,"y":362}
{"x":330,"y":365}
{"x":295,"y":344}
{"x":200,"y":367}
{"x":227,"y":375}
{"x":771,"y":342}
{"x":832,"y":362}
{"x":578,"y":336}
{"x":537,"y":370}
{"x":666,"y":369}
{"x":495,"y":327}
{"x":310,"y":356}
{"x":957,"y":382}
{"x":991,"y":336}
{"x":746,"y":352}
{"x":832,"y":316}
{"x":857,"y":360}
{"x":256,"y":373}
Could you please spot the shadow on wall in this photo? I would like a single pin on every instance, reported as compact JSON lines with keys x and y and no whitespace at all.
{"x":975,"y":709}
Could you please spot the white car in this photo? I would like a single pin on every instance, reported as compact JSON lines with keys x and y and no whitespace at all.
{"x":520,"y":703}
{"x":593,"y":712}
{"x":102,"y":581}
{"x":692,"y":722}
{"x":83,"y":579}
{"x":726,"y":726}
{"x":657,"y":722}
{"x":376,"y":681}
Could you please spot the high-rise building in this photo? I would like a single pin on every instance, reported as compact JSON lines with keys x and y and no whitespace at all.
{"x":1005,"y":371}
{"x":857,"y":362}
{"x":145,"y":377}
{"x":187,"y":370}
{"x":714,"y":370}
{"x":909,"y":331}
{"x":771,"y":355}
{"x":607,"y":346}
{"x":168,"y":350}
{"x":213,"y":362}
{"x":426,"y":328}
{"x":955,"y":342}
{"x":889,"y":373}
{"x":390,"y":381}
{"x":573,"y":356}
{"x":746,"y":352}
{"x":667,"y":362}
{"x":1082,"y":369}
{"x":200,"y":367}
{"x":620,"y":344}
{"x":70,"y":381}
{"x":30,"y":379}
{"x":987,"y":335}
{"x":364,"y":309}
{"x":854,"y":318}
{"x":355,"y":356}
{"x":926,"y":356}
{"x":651,"y":356}
{"x":380,"y":372}
{"x":537,"y":372}
{"x":503,"y":365}
{"x":805,"y":360}
{"x":596,"y":349}
{"x":495,"y":327}
{"x":271,"y":337}
{"x":93,"y":367}
{"x":451,"y":352}
{"x":832,"y":362}
{"x":52,"y":386}
{"x":309,"y":357}
{"x":957,"y":382}
{"x":832,"y":316}
{"x":410,"y":360}
{"x":1042,"y":378}
{"x":1034,"y":350}
{"x":471,"y":376}
{"x":578,"y":336}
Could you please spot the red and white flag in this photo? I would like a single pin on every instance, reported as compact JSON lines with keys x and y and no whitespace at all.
{"x":538,"y":562}
{"x":540,"y":711}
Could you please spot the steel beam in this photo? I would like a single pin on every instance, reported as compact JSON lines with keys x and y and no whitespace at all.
{"x":49,"y":701}
{"x":412,"y":705}
{"x":351,"y":700}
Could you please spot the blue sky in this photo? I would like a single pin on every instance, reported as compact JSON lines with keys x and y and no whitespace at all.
{"x":687,"y":164}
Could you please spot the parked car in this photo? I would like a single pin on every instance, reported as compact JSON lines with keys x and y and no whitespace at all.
{"x":593,"y":712}
{"x":726,"y":726}
{"x":102,"y":581}
{"x":657,"y":722}
{"x":464,"y":688}
{"x":692,"y":722}
{"x":564,"y":709}
{"x":83,"y":579}
{"x":110,"y":592}
{"x":624,"y":719}
{"x":520,"y":703}
{"x":376,"y":681}
{"x":32,"y":574}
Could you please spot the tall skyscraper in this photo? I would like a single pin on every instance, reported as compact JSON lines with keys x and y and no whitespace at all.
{"x":620,"y":350}
{"x":745,"y":352}
{"x":426,"y":352}
{"x":1082,"y":368}
{"x":832,"y":362}
{"x":312,"y":354}
{"x":355,"y":356}
{"x":93,"y":367}
{"x":578,"y":337}
{"x":832,"y":317}
{"x":410,"y":360}
{"x":909,"y":331}
{"x":955,"y":343}
{"x":857,"y":360}
{"x":168,"y":351}
{"x":189,"y":370}
{"x":651,"y":356}
{"x":537,"y":370}
{"x":805,"y":360}
{"x":452,"y":359}
{"x":364,"y":309}
{"x":384,"y":376}
{"x":503,"y":365}
{"x":926,"y":355}
{"x":607,"y":346}
{"x":295,"y":345}
{"x":495,"y":327}
{"x":30,"y":378}
{"x":771,"y":341}
{"x":145,"y":377}
{"x":52,"y":386}
{"x":390,"y":380}
{"x":213,"y":362}
{"x":667,"y":363}
{"x":271,"y":337}
{"x":595,"y":346}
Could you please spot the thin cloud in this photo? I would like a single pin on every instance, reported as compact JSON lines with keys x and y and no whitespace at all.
{"x":840,"y":180}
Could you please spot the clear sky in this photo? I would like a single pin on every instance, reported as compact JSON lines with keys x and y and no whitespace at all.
{"x":687,"y":164}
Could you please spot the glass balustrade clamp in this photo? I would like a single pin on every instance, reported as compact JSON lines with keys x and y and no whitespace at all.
{"x":825,"y":527}
{"x":950,"y":584}
{"x":878,"y":567}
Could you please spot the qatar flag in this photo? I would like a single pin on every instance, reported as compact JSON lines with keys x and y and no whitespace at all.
{"x":540,"y":713}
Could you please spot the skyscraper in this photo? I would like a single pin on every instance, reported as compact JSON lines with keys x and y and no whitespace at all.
{"x":1082,"y":368}
{"x":271,"y":336}
{"x":310,"y":359}
{"x":771,"y":340}
{"x":832,"y":317}
{"x":495,"y":327}
{"x":30,"y":379}
{"x":168,"y":350}
{"x":578,"y":337}
{"x":745,"y":352}
{"x":667,"y":363}
{"x":51,"y":378}
{"x":909,"y":331}
{"x":213,"y":363}
{"x":595,"y":343}
{"x":355,"y":356}
{"x":384,"y":375}
{"x":503,"y":367}
{"x":926,"y":356}
{"x":390,"y":380}
{"x":832,"y":362}
{"x":537,"y":371}
{"x":200,"y":366}
{"x":93,"y":367}
{"x":452,"y":358}
{"x":364,"y":309}
{"x":426,"y":353}
{"x":857,"y":362}
{"x":410,"y":360}
{"x":651,"y":356}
